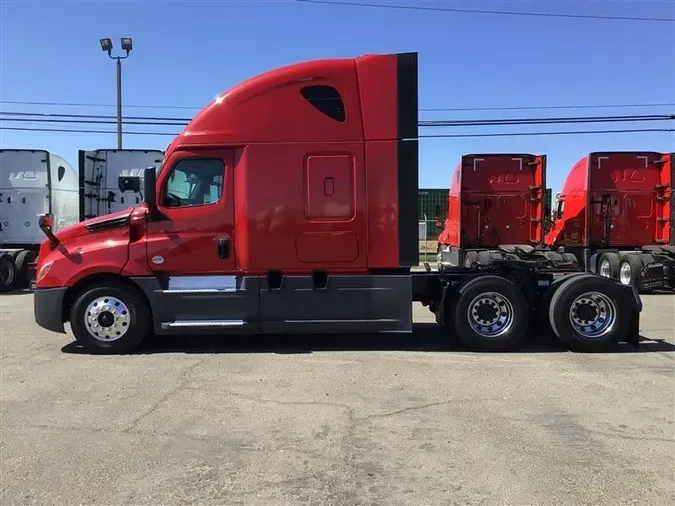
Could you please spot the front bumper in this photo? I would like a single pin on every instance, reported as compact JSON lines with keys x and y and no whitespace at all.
{"x":48,"y":308}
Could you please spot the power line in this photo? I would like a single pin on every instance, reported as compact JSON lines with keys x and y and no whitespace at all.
{"x":422,"y":109}
{"x":550,"y":121}
{"x":89,"y":121}
{"x":545,"y":107}
{"x":428,"y":136}
{"x":77,"y":131}
{"x":560,"y":132}
{"x":94,"y":116}
{"x":83,"y":104}
{"x":494,"y":12}
{"x":158,"y":121}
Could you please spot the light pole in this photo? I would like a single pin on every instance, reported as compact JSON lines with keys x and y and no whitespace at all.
{"x":107,"y":46}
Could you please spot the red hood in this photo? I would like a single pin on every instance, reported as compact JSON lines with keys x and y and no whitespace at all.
{"x":90,"y":225}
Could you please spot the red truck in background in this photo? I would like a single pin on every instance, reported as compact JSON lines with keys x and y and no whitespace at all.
{"x":289,"y":205}
{"x":615,"y":213}
{"x":613,"y":217}
{"x":497,"y":208}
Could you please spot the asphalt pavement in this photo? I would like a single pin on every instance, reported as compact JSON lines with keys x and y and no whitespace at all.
{"x":335,"y":420}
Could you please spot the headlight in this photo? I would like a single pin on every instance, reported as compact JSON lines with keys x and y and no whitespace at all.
{"x":42,"y":272}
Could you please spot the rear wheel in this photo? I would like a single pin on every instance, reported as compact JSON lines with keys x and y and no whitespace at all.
{"x":490,"y":314}
{"x":586,"y":313}
{"x":484,"y":258}
{"x":608,"y":266}
{"x":570,"y":257}
{"x":547,"y":296}
{"x":629,"y":270}
{"x":110,"y":317}
{"x":470,"y":258}
{"x":22,"y":261}
{"x":7,"y":273}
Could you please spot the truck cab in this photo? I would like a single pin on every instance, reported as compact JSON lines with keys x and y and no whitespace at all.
{"x":496,"y":203}
{"x":33,"y":182}
{"x":105,"y":175}
{"x":615,"y":214}
{"x":250,"y":218}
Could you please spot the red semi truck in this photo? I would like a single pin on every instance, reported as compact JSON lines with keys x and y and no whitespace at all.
{"x":289,"y":204}
{"x":497,"y":208}
{"x":616,"y":213}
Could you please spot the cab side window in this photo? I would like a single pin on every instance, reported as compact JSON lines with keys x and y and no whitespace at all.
{"x":194,"y":182}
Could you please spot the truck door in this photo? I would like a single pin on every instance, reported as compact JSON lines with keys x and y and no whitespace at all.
{"x":195,"y":197}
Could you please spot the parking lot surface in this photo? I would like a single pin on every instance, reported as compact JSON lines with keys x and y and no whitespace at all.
{"x":335,"y":420}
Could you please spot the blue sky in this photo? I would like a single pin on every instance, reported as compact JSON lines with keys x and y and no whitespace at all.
{"x":186,"y":53}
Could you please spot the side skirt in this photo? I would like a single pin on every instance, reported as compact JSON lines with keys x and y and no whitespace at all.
{"x":279,"y":304}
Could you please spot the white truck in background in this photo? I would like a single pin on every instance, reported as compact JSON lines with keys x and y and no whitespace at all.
{"x":100,"y":170}
{"x":35,"y":182}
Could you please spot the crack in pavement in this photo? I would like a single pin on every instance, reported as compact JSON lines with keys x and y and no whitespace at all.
{"x":428,"y":405}
{"x":182,"y":385}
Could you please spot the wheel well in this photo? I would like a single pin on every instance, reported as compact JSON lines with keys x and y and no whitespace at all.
{"x":83,"y":284}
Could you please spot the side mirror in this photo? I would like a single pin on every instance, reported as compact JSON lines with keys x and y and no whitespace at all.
{"x":437,"y":210}
{"x":129,"y":183}
{"x":149,"y":191}
{"x":46,"y":224}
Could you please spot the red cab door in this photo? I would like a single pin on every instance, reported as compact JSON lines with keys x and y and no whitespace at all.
{"x":195,"y":231}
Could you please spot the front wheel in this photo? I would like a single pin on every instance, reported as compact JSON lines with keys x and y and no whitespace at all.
{"x":110,"y":317}
{"x":586,"y":313}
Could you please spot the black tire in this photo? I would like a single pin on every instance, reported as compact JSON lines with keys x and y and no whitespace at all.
{"x":547,"y":296}
{"x":570,"y":257}
{"x":22,"y":261}
{"x":7,"y":273}
{"x":510,"y":298}
{"x":613,"y":262}
{"x":139,"y":321}
{"x":608,"y":295}
{"x":633,"y":262}
{"x":484,"y":258}
{"x":470,"y":258}
{"x":553,"y":256}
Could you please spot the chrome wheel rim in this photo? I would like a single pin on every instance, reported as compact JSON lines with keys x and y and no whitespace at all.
{"x":107,"y":319}
{"x":593,"y":315}
{"x":625,"y":273}
{"x":604,"y":269}
{"x":490,"y":314}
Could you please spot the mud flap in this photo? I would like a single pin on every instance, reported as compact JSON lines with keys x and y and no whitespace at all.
{"x":633,"y":333}
{"x":652,"y":276}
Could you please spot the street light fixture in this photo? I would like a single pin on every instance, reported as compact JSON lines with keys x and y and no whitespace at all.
{"x":107,"y":47}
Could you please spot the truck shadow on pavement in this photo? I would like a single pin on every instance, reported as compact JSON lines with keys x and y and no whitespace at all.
{"x":426,"y":337}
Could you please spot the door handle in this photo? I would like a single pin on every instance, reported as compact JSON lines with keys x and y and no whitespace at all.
{"x":223,"y":247}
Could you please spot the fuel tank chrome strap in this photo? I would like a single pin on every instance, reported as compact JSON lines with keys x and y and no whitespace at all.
{"x":196,"y":324}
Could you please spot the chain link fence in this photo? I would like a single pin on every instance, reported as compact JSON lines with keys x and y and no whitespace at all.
{"x":432,"y":210}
